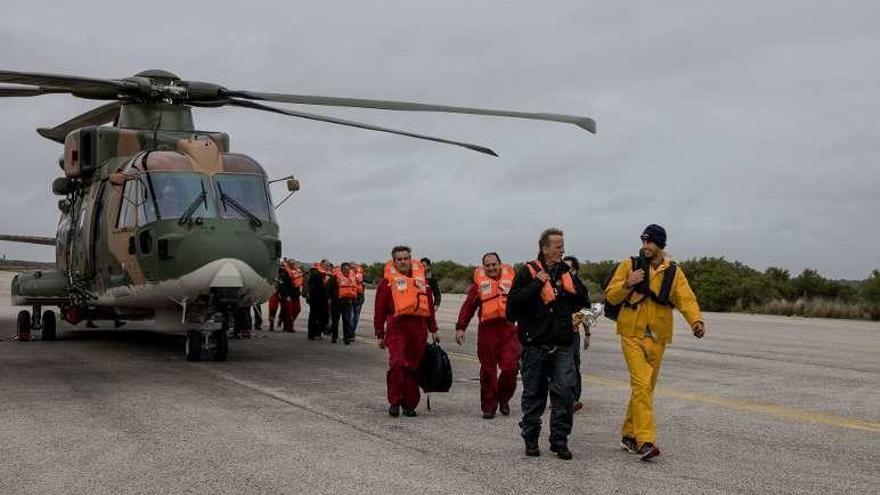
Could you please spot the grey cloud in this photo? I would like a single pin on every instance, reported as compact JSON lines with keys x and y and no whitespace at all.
{"x":748,"y":129}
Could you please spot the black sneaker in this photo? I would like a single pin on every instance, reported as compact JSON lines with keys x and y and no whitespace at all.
{"x":562,"y":452}
{"x":410,"y":413}
{"x":532,"y":449}
{"x":504,"y":409}
{"x":648,"y":451}
{"x":629,"y":444}
{"x":394,"y":411}
{"x":488,"y":415}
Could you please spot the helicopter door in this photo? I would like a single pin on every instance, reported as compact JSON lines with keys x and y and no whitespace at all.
{"x":97,"y":237}
{"x":122,"y":264}
{"x":90,"y":229}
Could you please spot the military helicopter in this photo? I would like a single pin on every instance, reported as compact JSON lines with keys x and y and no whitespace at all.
{"x":162,"y":221}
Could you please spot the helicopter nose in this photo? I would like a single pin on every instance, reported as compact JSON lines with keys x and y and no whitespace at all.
{"x":227,"y":276}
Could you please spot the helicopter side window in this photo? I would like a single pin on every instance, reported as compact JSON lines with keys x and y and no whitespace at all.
{"x":132,"y":196}
{"x":245,"y":190}
{"x":174,"y":194}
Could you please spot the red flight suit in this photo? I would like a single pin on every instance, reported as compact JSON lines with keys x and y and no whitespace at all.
{"x":405,"y":338}
{"x":497,"y":347}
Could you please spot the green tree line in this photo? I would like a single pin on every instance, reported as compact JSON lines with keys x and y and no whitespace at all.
{"x":722,"y":285}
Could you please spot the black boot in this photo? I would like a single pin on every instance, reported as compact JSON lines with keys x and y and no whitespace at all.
{"x":532,"y":449}
{"x":394,"y":411}
{"x":562,"y":452}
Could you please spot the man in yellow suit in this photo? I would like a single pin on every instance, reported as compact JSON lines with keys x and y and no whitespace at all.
{"x":643,"y":291}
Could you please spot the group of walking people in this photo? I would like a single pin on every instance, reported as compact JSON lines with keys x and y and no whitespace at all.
{"x":334,"y":294}
{"x":529,"y":323}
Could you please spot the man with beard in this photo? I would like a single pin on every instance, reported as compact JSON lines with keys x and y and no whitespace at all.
{"x":646,"y":295}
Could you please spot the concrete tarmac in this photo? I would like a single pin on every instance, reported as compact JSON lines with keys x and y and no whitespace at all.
{"x":761,"y":405}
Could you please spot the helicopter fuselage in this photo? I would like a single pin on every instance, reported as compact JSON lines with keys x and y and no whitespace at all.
{"x":157,"y":221}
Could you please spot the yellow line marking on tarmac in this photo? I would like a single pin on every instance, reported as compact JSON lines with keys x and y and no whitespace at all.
{"x":782,"y":412}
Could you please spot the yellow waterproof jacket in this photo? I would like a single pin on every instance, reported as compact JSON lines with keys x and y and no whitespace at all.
{"x":649,"y":314}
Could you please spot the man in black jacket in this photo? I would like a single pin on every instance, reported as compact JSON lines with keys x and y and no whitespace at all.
{"x":319,"y":299}
{"x":543,"y":298}
{"x":432,"y":282}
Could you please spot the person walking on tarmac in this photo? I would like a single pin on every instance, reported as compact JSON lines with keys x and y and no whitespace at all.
{"x":296,"y":275}
{"x":286,"y":296}
{"x":318,"y":299}
{"x":359,"y":302}
{"x":432,"y":282}
{"x":403,"y":316}
{"x":542,"y":300}
{"x":345,"y":296}
{"x":646,"y":296}
{"x":574,"y":265}
{"x":497,"y":343}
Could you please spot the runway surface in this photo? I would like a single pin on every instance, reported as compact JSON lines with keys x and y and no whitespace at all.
{"x":762,"y":405}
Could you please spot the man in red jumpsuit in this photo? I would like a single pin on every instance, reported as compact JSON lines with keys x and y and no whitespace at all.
{"x":497,"y":341}
{"x":403,"y":317}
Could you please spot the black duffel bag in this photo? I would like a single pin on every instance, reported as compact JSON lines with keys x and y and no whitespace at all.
{"x":436,"y":371}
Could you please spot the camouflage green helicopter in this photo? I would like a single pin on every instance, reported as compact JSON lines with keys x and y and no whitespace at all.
{"x":160,"y":220}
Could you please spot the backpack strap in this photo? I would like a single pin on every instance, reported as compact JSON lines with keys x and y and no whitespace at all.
{"x":626,"y":302}
{"x":666,"y":286}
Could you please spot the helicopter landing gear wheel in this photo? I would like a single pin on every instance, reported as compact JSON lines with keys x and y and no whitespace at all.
{"x":193,"y":345}
{"x":221,"y":345}
{"x":23,"y":326}
{"x":49,"y":325}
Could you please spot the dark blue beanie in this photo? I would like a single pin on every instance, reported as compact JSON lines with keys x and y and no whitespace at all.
{"x":655,"y":234}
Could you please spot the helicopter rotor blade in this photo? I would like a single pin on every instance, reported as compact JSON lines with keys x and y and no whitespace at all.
{"x":28,"y":239}
{"x":60,"y":81}
{"x":333,"y":120}
{"x":12,"y":92}
{"x":585,"y":123}
{"x":96,"y":116}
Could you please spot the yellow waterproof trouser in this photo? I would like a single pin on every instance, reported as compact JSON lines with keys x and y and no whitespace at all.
{"x":643,"y":356}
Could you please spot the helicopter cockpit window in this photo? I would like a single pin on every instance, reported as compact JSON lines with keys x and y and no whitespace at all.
{"x":171,"y":195}
{"x":240,"y":194}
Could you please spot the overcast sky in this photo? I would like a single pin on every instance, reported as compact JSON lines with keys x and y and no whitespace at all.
{"x":748,"y":129}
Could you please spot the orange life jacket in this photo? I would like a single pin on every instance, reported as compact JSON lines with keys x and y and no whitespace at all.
{"x":410,"y":293}
{"x":359,"y":278}
{"x":548,"y":292}
{"x":296,"y":275}
{"x":346,"y":286}
{"x":493,"y":293}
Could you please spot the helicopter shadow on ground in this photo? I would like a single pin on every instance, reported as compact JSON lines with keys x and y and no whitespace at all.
{"x":136,"y":341}
{"x":169,"y":346}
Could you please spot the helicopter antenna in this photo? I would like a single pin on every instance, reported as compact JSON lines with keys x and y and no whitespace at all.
{"x":156,"y":131}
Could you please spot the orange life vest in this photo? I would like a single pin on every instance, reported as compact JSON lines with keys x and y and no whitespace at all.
{"x":410,"y":293}
{"x":548,"y":292}
{"x":346,"y":286}
{"x":493,"y":293}
{"x":296,"y":275}
{"x":359,"y":278}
